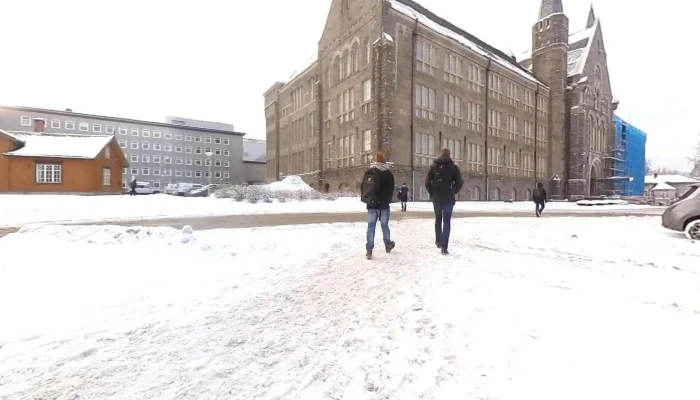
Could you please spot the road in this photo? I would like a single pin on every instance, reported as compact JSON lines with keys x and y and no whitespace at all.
{"x":248,"y":221}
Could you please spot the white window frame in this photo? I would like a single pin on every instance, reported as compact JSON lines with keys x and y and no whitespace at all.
{"x":145,"y":171}
{"x":123,"y":130}
{"x":97,"y":128}
{"x":178,"y":136}
{"x":70,"y":125}
{"x":178,"y":172}
{"x":123,"y":144}
{"x":188,"y":161}
{"x":178,"y":149}
{"x":207,"y":139}
{"x":55,"y":124}
{"x":156,"y":160}
{"x":157,"y":134}
{"x":168,"y":135}
{"x":134,"y":171}
{"x":134,"y":158}
{"x":188,"y":138}
{"x":84,"y":127}
{"x":167,"y":160}
{"x":145,"y":133}
{"x":157,"y":146}
{"x":134,"y":132}
{"x":188,"y":173}
{"x":155,"y":171}
{"x":424,"y":103}
{"x":146,"y":158}
{"x":134,"y":145}
{"x":426,"y":57}
{"x":452,"y":110}
{"x":27,"y":121}
{"x":49,"y":174}
{"x":146,"y":145}
{"x":168,"y":147}
{"x":227,"y":174}
{"x":106,"y":177}
{"x":109,"y":129}
{"x":227,"y":152}
{"x":198,"y":139}
{"x":226,"y":142}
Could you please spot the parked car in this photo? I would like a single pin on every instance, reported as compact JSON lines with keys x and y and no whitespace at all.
{"x":141,"y":188}
{"x":205,"y":191}
{"x":684,"y":214}
{"x":180,"y":189}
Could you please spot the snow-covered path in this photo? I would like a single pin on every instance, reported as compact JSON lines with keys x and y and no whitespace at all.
{"x":522,"y":309}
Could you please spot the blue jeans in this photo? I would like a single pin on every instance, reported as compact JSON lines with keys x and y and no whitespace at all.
{"x":443,"y":220}
{"x":372,"y":217}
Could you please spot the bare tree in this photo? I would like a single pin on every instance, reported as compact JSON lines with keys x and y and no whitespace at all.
{"x":695,"y":159}
{"x":647,"y":166}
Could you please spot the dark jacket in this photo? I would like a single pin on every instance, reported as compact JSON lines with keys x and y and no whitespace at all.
{"x":539,"y":195}
{"x":449,"y":183}
{"x":403,"y":193}
{"x":386,"y":190}
{"x":132,"y":185}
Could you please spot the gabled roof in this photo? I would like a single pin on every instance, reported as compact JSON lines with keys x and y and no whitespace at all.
{"x":576,"y":58}
{"x":427,"y":18}
{"x":663,"y":186}
{"x":670,"y":179}
{"x":58,"y":145}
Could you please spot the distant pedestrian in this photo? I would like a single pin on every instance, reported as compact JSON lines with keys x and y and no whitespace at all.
{"x":132,"y":185}
{"x":444,"y":180}
{"x":539,"y":196}
{"x":377,"y":192}
{"x":403,"y":196}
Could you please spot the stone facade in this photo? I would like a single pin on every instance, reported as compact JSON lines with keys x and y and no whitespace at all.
{"x":386,"y":79}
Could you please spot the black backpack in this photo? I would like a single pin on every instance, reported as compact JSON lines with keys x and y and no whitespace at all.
{"x":370,"y":187}
{"x":442,"y":178}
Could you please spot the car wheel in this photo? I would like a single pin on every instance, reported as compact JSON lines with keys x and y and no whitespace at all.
{"x":692,"y":230}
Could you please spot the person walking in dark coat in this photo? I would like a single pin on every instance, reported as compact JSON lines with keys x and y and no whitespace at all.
{"x":444,"y":180}
{"x":539,"y":196}
{"x":403,"y":197}
{"x":377,"y":192}
{"x":132,"y":185}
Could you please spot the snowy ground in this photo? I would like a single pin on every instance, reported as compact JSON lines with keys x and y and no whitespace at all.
{"x":526,"y":308}
{"x":17,"y":210}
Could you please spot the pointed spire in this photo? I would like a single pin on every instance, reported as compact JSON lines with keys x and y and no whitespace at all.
{"x":549,"y":7}
{"x":591,"y":18}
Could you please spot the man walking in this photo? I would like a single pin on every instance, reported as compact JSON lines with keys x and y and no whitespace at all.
{"x":132,"y":186}
{"x":377,"y":192}
{"x":443,"y":181}
{"x":539,"y":196}
{"x":403,"y":197}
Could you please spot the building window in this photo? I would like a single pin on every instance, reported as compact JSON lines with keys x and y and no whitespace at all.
{"x":495,"y":127}
{"x":367,"y":141}
{"x":512,"y":127}
{"x":345,"y":151}
{"x":25,"y":121}
{"x":226,"y":142}
{"x":106,"y":177}
{"x":453,"y":69}
{"x":84,"y":127}
{"x":178,"y":136}
{"x":496,"y":87}
{"x":55,"y":124}
{"x":217,"y":152}
{"x":156,"y":184}
{"x":197,"y":174}
{"x":168,"y":147}
{"x":541,"y":167}
{"x":145,"y":158}
{"x":134,"y":171}
{"x":167,"y":172}
{"x":156,"y":146}
{"x":97,"y":128}
{"x":528,"y":132}
{"x":178,"y":149}
{"x":425,"y":102}
{"x":122,"y":130}
{"x":217,"y":174}
{"x":156,"y":171}
{"x":109,"y":129}
{"x":475,"y":76}
{"x":207,"y":163}
{"x":178,"y":161}
{"x":207,"y":150}
{"x":512,"y":165}
{"x":134,"y":158}
{"x":134,"y":145}
{"x":496,"y":194}
{"x":167,"y":160}
{"x":146,"y":133}
{"x":122,"y":144}
{"x":188,"y":138}
{"x":207,"y":139}
{"x":226,"y":175}
{"x":178,"y":172}
{"x":48,"y":173}
{"x":188,"y":150}
{"x":188,"y":173}
{"x":527,"y":165}
{"x":217,"y":141}
{"x":474,"y":118}
{"x":198,"y":162}
{"x":227,"y":153}
{"x":108,"y":152}
{"x":346,"y":105}
{"x":495,"y":160}
{"x":366,"y":95}
{"x":513,"y":98}
{"x":529,"y":101}
{"x":188,"y":161}
{"x":134,"y":132}
{"x":197,"y":139}
{"x":168,"y":135}
{"x":157,"y":134}
{"x":70,"y":125}
{"x":452,"y":110}
{"x":424,"y":149}
{"x":475,"y":158}
{"x":156,"y":159}
{"x":426,"y":57}
{"x":541,"y":136}
{"x":227,"y":164}
{"x":455,"y":147}
{"x":542,"y":107}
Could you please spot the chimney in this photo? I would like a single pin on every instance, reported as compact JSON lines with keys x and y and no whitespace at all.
{"x":656,"y":175}
{"x":39,"y":125}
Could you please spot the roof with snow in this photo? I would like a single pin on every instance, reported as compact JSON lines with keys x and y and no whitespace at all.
{"x":58,"y":145}
{"x":662,"y":186}
{"x":576,"y":58}
{"x":669,"y":179}
{"x":428,"y":19}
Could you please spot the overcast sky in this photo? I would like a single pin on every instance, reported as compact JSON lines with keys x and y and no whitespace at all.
{"x":213,"y":60}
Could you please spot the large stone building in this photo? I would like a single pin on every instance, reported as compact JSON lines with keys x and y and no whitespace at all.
{"x":391,"y":75}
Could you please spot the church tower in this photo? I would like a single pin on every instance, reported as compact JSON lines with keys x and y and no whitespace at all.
{"x":550,"y":46}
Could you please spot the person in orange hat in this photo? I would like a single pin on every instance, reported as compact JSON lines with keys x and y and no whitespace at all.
{"x":377,"y":191}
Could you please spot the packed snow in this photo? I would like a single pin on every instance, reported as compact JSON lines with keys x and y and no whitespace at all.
{"x":290,"y":183}
{"x":18,"y":210}
{"x":60,"y":145}
{"x":523,"y":308}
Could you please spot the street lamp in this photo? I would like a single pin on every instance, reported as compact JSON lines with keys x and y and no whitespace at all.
{"x":209,"y":154}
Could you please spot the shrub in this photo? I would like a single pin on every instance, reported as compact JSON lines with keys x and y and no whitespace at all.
{"x":253,"y":194}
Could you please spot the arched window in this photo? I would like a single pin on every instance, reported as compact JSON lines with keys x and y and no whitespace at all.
{"x":337,"y":68}
{"x":348,"y":63}
{"x":513,"y":194}
{"x":528,"y":195}
{"x":476,"y":194}
{"x":329,"y":76}
{"x":496,"y":194}
{"x":368,"y":52}
{"x":355,"y":58}
{"x":602,"y":136}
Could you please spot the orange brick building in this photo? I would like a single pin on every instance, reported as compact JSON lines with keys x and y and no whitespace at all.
{"x":40,"y":162}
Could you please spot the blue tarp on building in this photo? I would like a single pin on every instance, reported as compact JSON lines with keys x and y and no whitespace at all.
{"x":630,"y":158}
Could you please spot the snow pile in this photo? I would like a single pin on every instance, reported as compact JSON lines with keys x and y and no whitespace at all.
{"x":112,"y":235}
{"x":298,"y":312}
{"x":603,"y":202}
{"x":291,"y":183}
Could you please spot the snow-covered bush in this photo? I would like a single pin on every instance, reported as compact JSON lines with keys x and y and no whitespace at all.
{"x":290,"y":189}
